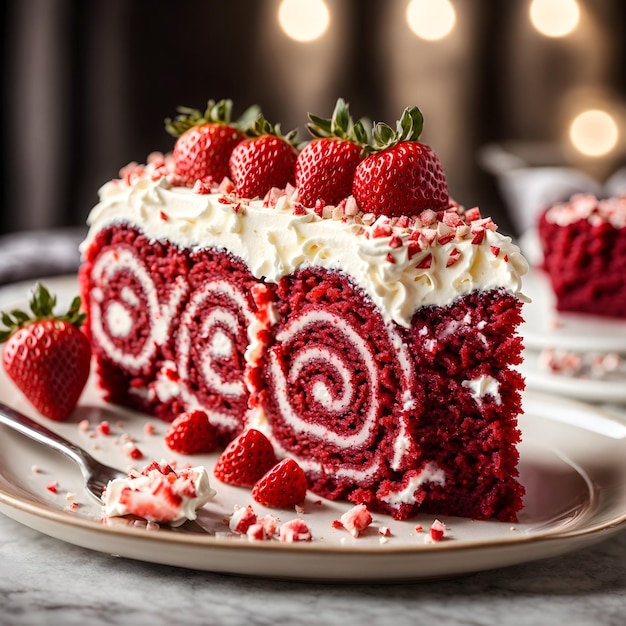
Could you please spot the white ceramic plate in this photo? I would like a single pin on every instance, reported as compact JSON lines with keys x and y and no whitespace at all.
{"x":586,"y":389}
{"x":545,"y":327}
{"x":573,"y":465}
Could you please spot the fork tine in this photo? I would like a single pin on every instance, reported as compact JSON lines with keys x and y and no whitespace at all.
{"x":95,"y":474}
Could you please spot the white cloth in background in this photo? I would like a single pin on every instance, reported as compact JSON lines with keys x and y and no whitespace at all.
{"x":36,"y":254}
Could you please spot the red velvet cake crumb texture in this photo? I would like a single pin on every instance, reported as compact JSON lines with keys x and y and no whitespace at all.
{"x":364,"y":406}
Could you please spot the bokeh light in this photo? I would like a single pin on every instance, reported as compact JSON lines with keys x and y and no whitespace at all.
{"x":594,"y":132}
{"x":431,"y":19}
{"x":303,"y":20}
{"x":554,"y":18}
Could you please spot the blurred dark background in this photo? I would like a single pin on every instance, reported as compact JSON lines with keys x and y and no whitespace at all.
{"x":87,"y":84}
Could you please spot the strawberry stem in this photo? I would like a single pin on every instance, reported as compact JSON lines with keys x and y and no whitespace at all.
{"x":42,"y":306}
{"x":262,"y":127}
{"x":339,"y":126}
{"x":408,"y":128}
{"x":215,"y":113}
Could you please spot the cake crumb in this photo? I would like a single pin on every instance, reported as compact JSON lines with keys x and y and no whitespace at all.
{"x":242,"y":519}
{"x":104,"y":428}
{"x":132,"y":451}
{"x":53,"y":486}
{"x":437,"y":530}
{"x":294,"y":531}
{"x":356,"y":520}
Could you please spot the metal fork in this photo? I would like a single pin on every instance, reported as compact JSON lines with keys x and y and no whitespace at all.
{"x":96,"y":474}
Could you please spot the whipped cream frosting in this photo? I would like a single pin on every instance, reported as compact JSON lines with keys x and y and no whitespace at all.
{"x":159,"y":494}
{"x":588,"y":207}
{"x":403,"y":264}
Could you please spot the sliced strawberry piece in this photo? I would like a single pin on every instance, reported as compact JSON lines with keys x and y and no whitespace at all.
{"x":282,"y":487}
{"x":246,"y":459}
{"x":47,"y":356}
{"x":191,"y":433}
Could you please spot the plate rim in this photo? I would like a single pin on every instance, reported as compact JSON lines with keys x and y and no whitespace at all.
{"x":14,"y":501}
{"x":209,"y":541}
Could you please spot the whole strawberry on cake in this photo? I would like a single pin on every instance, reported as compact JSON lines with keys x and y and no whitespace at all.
{"x":332,"y":297}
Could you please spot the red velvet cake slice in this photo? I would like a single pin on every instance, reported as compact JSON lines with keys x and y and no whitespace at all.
{"x":584,"y":250}
{"x":377,"y":349}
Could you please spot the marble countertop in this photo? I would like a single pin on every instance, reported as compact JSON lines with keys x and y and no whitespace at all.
{"x":46,"y":581}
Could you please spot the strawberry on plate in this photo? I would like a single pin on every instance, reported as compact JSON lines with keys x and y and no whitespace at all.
{"x":191,"y":433}
{"x":326,"y":165}
{"x":282,"y":487}
{"x":403,"y":176}
{"x":206,"y":140}
{"x":267,"y":159}
{"x":245,"y":459}
{"x":47,"y":356}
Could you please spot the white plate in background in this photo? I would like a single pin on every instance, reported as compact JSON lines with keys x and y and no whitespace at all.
{"x":545,"y":327}
{"x":585,"y":389}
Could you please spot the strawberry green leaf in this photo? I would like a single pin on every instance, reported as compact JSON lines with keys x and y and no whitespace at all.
{"x":215,"y":113}
{"x":7,"y":320}
{"x":408,"y":128}
{"x":42,"y":305}
{"x":262,"y":127}
{"x":339,"y":126}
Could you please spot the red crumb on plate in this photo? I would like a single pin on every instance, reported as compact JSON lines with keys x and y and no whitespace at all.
{"x":104,"y":428}
{"x":132,"y":451}
{"x":294,"y":531}
{"x":437,"y":530}
{"x":263,"y":529}
{"x":356,"y":520}
{"x":242,"y":518}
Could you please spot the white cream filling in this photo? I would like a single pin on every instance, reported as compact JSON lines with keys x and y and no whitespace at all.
{"x":430,"y":473}
{"x":483,"y":386}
